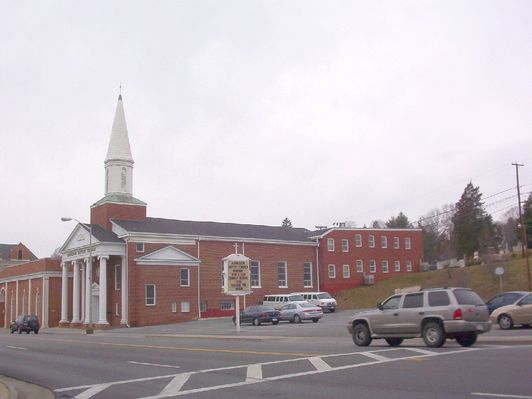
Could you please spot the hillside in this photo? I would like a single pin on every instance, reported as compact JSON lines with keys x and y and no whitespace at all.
{"x":481,"y":279}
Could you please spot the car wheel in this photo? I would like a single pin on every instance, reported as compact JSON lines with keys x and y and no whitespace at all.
{"x":297,"y":319}
{"x":466,"y":339}
{"x":394,"y":341}
{"x":36,"y":331}
{"x":28,"y":331}
{"x":275,"y":322}
{"x":361,"y":336}
{"x":19,"y":330}
{"x":12,"y":331}
{"x":315,"y":320}
{"x":433,"y":335}
{"x":505,"y":322}
{"x":256,"y":321}
{"x":332,"y":310}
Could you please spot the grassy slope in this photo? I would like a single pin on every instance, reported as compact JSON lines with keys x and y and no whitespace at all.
{"x":481,"y":279}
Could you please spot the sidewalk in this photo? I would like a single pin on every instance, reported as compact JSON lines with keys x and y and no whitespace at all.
{"x":15,"y":389}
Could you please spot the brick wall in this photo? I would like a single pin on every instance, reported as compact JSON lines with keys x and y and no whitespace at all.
{"x":102,"y":214}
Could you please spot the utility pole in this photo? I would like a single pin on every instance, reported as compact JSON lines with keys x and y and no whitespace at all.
{"x":524,"y":240}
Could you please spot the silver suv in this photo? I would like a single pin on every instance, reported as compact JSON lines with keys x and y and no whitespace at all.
{"x":434,"y":314}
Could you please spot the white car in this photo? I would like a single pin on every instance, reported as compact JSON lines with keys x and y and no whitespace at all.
{"x":322,"y":299}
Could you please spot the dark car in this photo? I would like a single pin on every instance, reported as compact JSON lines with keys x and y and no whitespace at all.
{"x":505,"y":298}
{"x":258,"y":314}
{"x":25,"y":323}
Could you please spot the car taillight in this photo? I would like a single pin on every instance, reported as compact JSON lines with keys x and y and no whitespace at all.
{"x":265,"y":315}
{"x":457,"y":315}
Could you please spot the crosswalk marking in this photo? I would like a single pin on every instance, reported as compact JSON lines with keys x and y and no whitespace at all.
{"x":254,"y":372}
{"x":175,"y":385}
{"x":319,"y":364}
{"x":375,"y":356}
{"x":89,"y":393}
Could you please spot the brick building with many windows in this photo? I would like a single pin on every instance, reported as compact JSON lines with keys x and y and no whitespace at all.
{"x":127,"y":269}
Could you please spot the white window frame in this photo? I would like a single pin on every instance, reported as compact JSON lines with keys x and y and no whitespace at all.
{"x":397,"y":265}
{"x":396,"y":244}
{"x":331,"y":270}
{"x":345,"y":269}
{"x":118,"y":277}
{"x":371,"y":241}
{"x":117,"y":309}
{"x":408,"y":243}
{"x":330,"y":244}
{"x":279,"y":281}
{"x":250,"y":274}
{"x":181,"y":277}
{"x":360,"y":266}
{"x":345,"y":245}
{"x":311,"y":282}
{"x":409,"y":266}
{"x":222,"y":305}
{"x":384,"y":266}
{"x":384,"y":242}
{"x":139,"y":247}
{"x":146,"y":295}
{"x":185,"y":307}
{"x":372,"y":266}
{"x":358,"y":240}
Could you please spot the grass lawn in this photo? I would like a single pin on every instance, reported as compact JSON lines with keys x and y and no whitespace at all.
{"x":481,"y":279}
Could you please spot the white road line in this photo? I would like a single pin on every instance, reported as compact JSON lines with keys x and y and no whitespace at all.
{"x":159,"y":377}
{"x":254,"y":372}
{"x":374,"y":356}
{"x":319,"y":364}
{"x":153,"y":364}
{"x":421,"y":351}
{"x":89,"y":393}
{"x":500,"y":395}
{"x":16,"y":347}
{"x":175,"y":385}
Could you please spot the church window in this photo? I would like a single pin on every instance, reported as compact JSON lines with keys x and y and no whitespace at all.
{"x":281,"y":274}
{"x":140,"y":247}
{"x":150,"y":294}
{"x":123,"y":177}
{"x":307,"y":274}
{"x":20,"y":254}
{"x":185,"y":307}
{"x":255,"y":273}
{"x":118,"y":277}
{"x":185,"y":277}
{"x":227,"y":305}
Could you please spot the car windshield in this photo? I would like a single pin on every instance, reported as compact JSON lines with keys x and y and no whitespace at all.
{"x":324,"y":295}
{"x":467,"y":297}
{"x":307,"y":305}
{"x":296,"y":298}
{"x":265,"y":309}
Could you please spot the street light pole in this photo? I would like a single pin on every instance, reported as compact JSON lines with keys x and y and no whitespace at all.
{"x":88,"y":290}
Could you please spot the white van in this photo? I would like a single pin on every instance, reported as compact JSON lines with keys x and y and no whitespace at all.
{"x":276,"y":301}
{"x":322,"y":299}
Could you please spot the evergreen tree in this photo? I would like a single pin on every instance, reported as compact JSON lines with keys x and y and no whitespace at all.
{"x":473,"y":228}
{"x":286,"y":222}
{"x":399,"y":222}
{"x":527,"y":219}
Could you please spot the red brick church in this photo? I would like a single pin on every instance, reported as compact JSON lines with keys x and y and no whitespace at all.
{"x":127,"y":269}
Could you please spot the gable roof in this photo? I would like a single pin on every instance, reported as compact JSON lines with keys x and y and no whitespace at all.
{"x":168,"y":256}
{"x":5,"y":251}
{"x":214,"y":229}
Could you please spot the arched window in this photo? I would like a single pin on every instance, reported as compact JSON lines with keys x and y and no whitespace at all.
{"x":20,"y":254}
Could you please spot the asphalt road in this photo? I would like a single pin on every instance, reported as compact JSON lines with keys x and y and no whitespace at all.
{"x":206,"y":359}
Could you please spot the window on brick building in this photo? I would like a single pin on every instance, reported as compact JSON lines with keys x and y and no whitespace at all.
{"x":281,"y":275}
{"x":408,"y":243}
{"x":384,"y":242}
{"x":384,"y":266}
{"x":371,"y":241}
{"x":372,"y":266}
{"x":397,"y":264}
{"x":408,"y":266}
{"x":307,"y":274}
{"x":330,"y":244}
{"x":254,"y":266}
{"x":360,"y":266}
{"x":346,"y":272}
{"x":345,"y":245}
{"x":227,"y":305}
{"x":149,"y":295}
{"x":140,"y":247}
{"x":185,"y":307}
{"x":203,"y":306}
{"x":184,"y":275}
{"x":358,"y":240}
{"x":332,"y":271}
{"x":118,"y":277}
{"x":117,"y":309}
{"x":20,"y":254}
{"x":396,"y":242}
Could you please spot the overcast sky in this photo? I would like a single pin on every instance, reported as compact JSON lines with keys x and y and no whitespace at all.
{"x":251,"y":111}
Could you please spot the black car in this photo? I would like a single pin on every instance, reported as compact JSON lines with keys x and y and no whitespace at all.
{"x":25,"y":323}
{"x":259,"y":314}
{"x":504,"y":298}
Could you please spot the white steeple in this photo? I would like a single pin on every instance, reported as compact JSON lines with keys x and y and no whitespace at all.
{"x":119,"y":162}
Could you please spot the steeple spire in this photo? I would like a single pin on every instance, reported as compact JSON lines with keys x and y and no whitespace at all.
{"x":119,"y":161}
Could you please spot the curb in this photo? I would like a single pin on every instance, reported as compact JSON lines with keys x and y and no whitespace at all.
{"x":221,"y":337}
{"x":7,"y":388}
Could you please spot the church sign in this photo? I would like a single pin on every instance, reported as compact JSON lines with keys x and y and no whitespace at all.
{"x":236,"y":275}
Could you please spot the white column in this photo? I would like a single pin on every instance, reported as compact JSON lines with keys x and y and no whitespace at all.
{"x":103,"y":291}
{"x":123,"y":292}
{"x":45,"y":300}
{"x":29,"y":296}
{"x":75,"y":294}
{"x":82,"y":300}
{"x":64,"y":294}
{"x":5,"y":306}
{"x":88,"y":289}
{"x":16,"y":302}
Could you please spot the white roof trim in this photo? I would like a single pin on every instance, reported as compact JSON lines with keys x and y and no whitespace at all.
{"x":168,"y":256}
